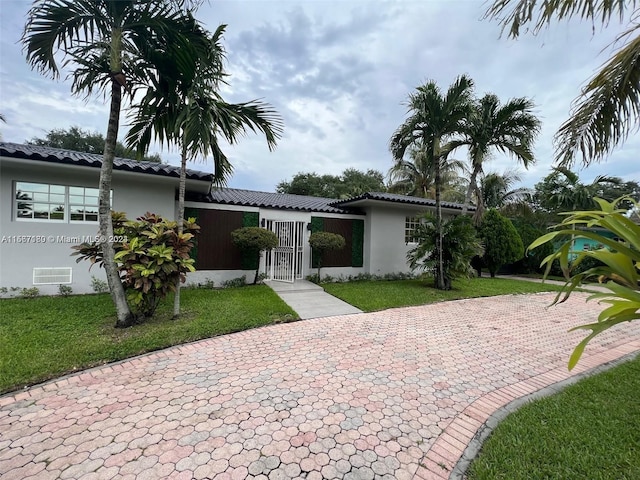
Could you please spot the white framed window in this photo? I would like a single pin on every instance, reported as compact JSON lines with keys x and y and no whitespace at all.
{"x":410,"y":224}
{"x":52,"y":276}
{"x":55,"y":203}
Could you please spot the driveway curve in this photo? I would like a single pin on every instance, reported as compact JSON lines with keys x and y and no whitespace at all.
{"x":395,"y":394}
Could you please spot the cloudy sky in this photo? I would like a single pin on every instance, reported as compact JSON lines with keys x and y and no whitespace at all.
{"x":339,"y":73}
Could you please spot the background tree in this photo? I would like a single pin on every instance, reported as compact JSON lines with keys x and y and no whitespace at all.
{"x":254,"y":241}
{"x":497,"y":189}
{"x":79,"y":140}
{"x":110,"y":45}
{"x":324,"y":242}
{"x":184,"y":107}
{"x":490,"y":126}
{"x":460,"y":244}
{"x":562,"y":191}
{"x":416,"y":176}
{"x":350,"y":183}
{"x":502,"y":244}
{"x":608,"y":106}
{"x":434,"y":118}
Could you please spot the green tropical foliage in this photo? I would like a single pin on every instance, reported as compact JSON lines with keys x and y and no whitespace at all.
{"x":111,"y":46}
{"x":323,"y":242}
{"x":435,"y":118}
{"x":416,"y":176}
{"x":152,"y":257}
{"x":184,"y":107}
{"x":459,"y":243}
{"x":491,"y":126}
{"x":502,"y":244}
{"x":562,"y":191}
{"x":608,"y":107}
{"x":254,"y":240}
{"x":618,"y":271}
{"x":79,"y":140}
{"x":497,"y":189}
{"x":529,"y":232}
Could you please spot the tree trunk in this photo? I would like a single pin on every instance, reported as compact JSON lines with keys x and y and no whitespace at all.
{"x":181,"y":195}
{"x":124,"y":316}
{"x":440,"y":284}
{"x":473,"y":179}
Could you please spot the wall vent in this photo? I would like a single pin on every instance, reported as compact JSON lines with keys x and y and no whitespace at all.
{"x":52,"y":276}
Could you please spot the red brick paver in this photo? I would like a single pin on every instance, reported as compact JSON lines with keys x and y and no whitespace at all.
{"x":395,"y":394}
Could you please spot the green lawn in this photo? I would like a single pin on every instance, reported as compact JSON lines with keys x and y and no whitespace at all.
{"x":591,"y":431}
{"x":379,"y":295}
{"x":46,"y":337}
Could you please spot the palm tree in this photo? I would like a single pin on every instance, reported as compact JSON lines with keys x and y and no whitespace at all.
{"x":191,"y":114}
{"x":497,"y":189}
{"x":110,"y":45}
{"x":510,"y":128}
{"x":608,"y":107}
{"x":415,"y":177}
{"x":434,"y":118}
{"x":562,"y":191}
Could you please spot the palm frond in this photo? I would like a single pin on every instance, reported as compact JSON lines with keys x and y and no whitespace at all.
{"x":607,"y":111}
{"x":515,"y":14}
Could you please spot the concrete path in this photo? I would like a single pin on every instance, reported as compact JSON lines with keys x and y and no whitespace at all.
{"x":396,"y":394}
{"x":310,"y":300}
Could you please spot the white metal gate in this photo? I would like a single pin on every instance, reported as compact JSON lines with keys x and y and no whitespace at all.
{"x":284,"y":263}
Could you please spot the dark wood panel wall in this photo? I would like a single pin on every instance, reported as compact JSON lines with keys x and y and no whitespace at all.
{"x":216,"y":250}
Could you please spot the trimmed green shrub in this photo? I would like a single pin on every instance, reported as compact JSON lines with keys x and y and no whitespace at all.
{"x":253,"y":241}
{"x":323,"y":242}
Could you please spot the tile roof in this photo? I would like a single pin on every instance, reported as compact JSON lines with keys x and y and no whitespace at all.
{"x":395,"y":198}
{"x":285,"y":201}
{"x":70,"y":157}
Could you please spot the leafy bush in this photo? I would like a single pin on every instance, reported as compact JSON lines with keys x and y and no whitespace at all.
{"x":65,"y":290}
{"x":151,"y":257}
{"x":502,"y":244}
{"x":619,"y":271}
{"x":459,"y":245}
{"x":99,"y":286}
{"x":323,"y":242}
{"x":235,"y":282}
{"x":32,"y":292}
{"x":532,"y":260}
{"x":254,"y":241}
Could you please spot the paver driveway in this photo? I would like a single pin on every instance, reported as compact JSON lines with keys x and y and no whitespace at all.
{"x":393,"y":394}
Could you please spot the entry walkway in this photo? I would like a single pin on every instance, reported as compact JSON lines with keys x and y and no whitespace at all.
{"x":396,"y":394}
{"x":310,"y":300}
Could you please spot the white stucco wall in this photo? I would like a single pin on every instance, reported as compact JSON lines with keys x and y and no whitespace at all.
{"x":135,"y":194}
{"x":387,"y":251}
{"x":385,"y":247}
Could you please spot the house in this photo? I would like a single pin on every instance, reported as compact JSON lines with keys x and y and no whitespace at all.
{"x":49,"y":203}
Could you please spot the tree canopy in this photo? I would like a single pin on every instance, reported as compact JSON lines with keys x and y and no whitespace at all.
{"x":350,"y":183}
{"x":79,"y":140}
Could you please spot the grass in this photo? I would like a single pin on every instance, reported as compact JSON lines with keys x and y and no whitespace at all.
{"x":380,"y":295}
{"x":45,"y":337}
{"x":590,"y":430}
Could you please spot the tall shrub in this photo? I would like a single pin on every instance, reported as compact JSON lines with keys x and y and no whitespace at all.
{"x":501,"y":241}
